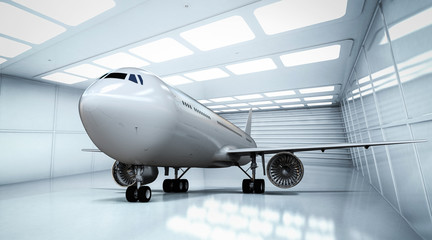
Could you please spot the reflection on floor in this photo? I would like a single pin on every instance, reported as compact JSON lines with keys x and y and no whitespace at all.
{"x":333,"y":203}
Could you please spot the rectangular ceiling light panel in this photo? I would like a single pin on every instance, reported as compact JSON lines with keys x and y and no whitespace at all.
{"x":280,"y":93}
{"x":318,"y":98}
{"x":87,"y":70}
{"x":311,"y":56}
{"x":217,"y":106}
{"x":293,"y":106}
{"x":288,"y":100}
{"x":162,"y":50}
{"x":70,"y":12}
{"x":223,"y":99}
{"x":209,"y":74}
{"x":204,"y":101}
{"x":25,"y":26}
{"x":319,"y":104}
{"x":288,"y":15}
{"x":269,"y":107}
{"x":64,"y":78}
{"x":176,"y":80}
{"x":120,"y":60}
{"x":252,"y":66}
{"x":250,"y":96}
{"x":260,"y":103}
{"x":10,"y":48}
{"x":317,"y":90}
{"x":219,"y":34}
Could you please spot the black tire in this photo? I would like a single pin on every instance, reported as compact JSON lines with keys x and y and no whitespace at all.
{"x":168,"y":185}
{"x":178,"y":185}
{"x":132,"y":194}
{"x":185,"y":185}
{"x":259,"y":186}
{"x":144,"y":194}
{"x":247,"y":186}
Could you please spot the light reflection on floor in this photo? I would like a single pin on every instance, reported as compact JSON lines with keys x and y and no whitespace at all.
{"x":331,"y":203}
{"x":228,"y":220}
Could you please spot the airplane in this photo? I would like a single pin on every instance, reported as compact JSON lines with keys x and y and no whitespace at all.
{"x":143,"y":123}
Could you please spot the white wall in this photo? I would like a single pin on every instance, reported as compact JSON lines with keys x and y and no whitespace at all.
{"x":389,"y":98}
{"x":41,"y":135}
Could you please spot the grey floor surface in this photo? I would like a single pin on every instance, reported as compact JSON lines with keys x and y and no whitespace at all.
{"x":333,"y":203}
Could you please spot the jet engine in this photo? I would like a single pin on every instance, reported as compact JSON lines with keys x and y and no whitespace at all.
{"x":124,"y":174}
{"x":285,"y":170}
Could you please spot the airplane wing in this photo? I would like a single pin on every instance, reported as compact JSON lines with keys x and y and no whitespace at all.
{"x":323,"y":147}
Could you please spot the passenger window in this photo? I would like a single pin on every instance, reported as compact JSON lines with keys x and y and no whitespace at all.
{"x":133,"y":78}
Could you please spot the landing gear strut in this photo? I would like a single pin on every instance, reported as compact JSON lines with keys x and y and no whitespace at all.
{"x":137,"y":192}
{"x":177,"y":184}
{"x":253,"y":185}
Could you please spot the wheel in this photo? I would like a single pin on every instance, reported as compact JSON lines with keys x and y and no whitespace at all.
{"x":185,"y":185}
{"x":178,"y":185}
{"x":132,"y":194}
{"x":247,"y":186}
{"x":259,"y":186}
{"x":144,"y":194}
{"x":168,"y":185}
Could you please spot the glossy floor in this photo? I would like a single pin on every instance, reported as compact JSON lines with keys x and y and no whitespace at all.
{"x":332,"y":203}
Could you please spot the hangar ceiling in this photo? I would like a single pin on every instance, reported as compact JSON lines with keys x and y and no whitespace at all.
{"x":231,"y":55}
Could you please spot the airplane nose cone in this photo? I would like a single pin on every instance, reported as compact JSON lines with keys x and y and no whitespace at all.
{"x":128,"y":122}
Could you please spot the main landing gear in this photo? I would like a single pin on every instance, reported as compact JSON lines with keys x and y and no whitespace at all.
{"x":177,"y":184}
{"x":137,"y":192}
{"x":253,"y":185}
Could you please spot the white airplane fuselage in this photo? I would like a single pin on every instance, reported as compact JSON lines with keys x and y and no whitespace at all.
{"x":144,"y":121}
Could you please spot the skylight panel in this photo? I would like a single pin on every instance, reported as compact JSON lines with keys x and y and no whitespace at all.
{"x":162,"y":50}
{"x":311,"y":56}
{"x":217,"y":106}
{"x":288,"y":100}
{"x":252,"y":66}
{"x":317,"y":90}
{"x":248,"y":97}
{"x":87,"y":70}
{"x":269,"y":107}
{"x":319,"y":104}
{"x":176,"y":80}
{"x":293,"y":105}
{"x":219,"y":34}
{"x":318,"y":98}
{"x":284,"y":16}
{"x":237,"y":105}
{"x":64,"y":78}
{"x":120,"y":60}
{"x":70,"y":12}
{"x":409,"y":25}
{"x":261,"y":103}
{"x":209,"y":74}
{"x":363,"y":80}
{"x":223,"y":99}
{"x":230,"y":110}
{"x":26,"y":26}
{"x":204,"y":101}
{"x":10,"y":48}
{"x":2,"y":60}
{"x":280,"y":93}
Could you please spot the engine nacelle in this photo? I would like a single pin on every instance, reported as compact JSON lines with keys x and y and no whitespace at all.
{"x":285,"y":170}
{"x":124,"y":174}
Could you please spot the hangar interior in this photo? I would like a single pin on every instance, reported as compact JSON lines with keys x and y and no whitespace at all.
{"x":370,"y":81}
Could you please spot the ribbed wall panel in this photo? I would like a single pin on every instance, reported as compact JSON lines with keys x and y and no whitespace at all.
{"x":299,"y":127}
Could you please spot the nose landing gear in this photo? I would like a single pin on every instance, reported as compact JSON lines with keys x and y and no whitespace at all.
{"x":137,"y":192}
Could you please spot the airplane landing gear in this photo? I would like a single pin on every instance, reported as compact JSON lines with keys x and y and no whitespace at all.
{"x":176,"y":185}
{"x":253,"y":185}
{"x":137,"y":192}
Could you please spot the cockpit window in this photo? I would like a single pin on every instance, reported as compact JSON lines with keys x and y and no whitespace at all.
{"x":103,"y":76}
{"x":133,"y":78}
{"x":141,"y":80}
{"x":116,"y":75}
